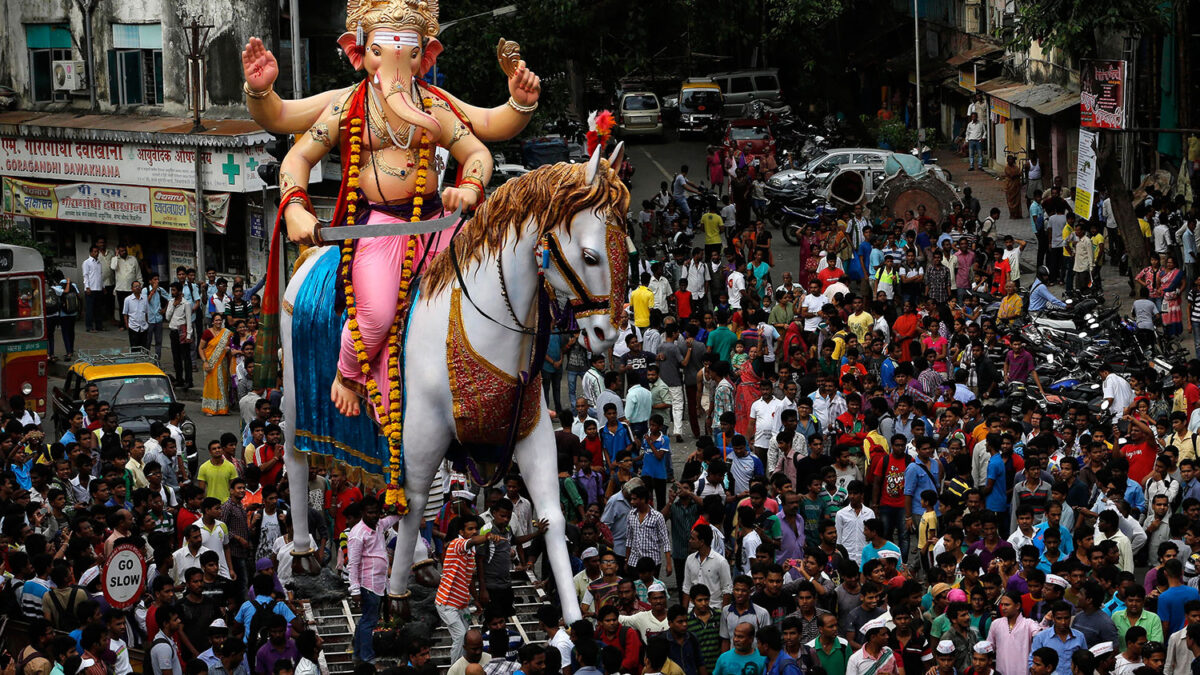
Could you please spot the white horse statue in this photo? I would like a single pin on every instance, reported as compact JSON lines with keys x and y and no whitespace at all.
{"x":553,"y":239}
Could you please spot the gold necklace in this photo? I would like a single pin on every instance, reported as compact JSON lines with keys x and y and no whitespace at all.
{"x":385,"y":133}
{"x":377,"y":160}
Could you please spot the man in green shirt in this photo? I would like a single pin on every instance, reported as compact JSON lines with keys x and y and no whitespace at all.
{"x":721,"y":339}
{"x":1134,"y":614}
{"x":215,"y":474}
{"x":833,"y":651}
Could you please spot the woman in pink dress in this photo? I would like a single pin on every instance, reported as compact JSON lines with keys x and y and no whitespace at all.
{"x":716,"y":169}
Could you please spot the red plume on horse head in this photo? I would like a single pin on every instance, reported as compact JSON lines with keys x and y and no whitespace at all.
{"x":600,"y":126}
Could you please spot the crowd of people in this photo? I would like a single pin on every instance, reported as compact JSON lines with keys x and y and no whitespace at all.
{"x":768,"y":474}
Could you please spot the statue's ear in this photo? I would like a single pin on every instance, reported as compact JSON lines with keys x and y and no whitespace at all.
{"x":352,"y":49}
{"x":432,"y":49}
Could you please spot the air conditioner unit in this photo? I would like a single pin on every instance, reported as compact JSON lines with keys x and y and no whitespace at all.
{"x":70,"y":75}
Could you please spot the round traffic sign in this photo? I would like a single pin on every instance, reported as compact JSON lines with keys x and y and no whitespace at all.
{"x":124,"y":576}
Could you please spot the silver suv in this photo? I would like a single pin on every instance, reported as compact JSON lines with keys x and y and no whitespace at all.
{"x":639,"y":114}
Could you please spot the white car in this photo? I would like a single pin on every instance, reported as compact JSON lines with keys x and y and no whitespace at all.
{"x":502,"y":173}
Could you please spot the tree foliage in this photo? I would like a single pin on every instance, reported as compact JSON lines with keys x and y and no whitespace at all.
{"x":1077,"y":26}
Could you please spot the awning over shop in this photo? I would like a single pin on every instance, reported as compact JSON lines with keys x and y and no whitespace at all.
{"x":231,"y":133}
{"x":133,"y":150}
{"x":1043,"y":99}
{"x":953,"y":84}
{"x":989,"y":86}
{"x":969,"y":55}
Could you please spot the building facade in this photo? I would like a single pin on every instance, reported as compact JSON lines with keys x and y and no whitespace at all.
{"x":110,"y":149}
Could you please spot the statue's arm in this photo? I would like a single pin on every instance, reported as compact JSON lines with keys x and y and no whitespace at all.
{"x":293,"y":176}
{"x":293,"y":117}
{"x":472,"y":155}
{"x":271,"y":112}
{"x":492,"y":124}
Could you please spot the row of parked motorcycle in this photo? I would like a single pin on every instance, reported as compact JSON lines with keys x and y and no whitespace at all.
{"x":1069,"y":344}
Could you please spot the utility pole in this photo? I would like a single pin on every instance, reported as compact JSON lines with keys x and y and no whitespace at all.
{"x":197,"y":45}
{"x":917,"y":55}
{"x":87,"y":7}
{"x":297,"y":76}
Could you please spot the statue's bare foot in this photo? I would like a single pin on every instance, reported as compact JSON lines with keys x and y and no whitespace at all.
{"x":343,"y":398}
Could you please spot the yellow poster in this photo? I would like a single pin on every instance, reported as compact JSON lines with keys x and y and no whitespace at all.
{"x":169,"y":209}
{"x":24,"y":198}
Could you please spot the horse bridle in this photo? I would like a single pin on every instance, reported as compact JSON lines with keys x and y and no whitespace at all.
{"x":583,"y":304}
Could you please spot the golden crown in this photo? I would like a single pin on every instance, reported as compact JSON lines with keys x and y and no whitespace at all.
{"x":420,"y":16}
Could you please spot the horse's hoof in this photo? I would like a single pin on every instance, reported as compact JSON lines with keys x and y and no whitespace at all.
{"x":426,"y":573}
{"x":399,"y":607}
{"x":305,"y":563}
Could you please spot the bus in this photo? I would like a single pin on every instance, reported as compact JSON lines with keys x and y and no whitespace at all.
{"x":23,"y":358}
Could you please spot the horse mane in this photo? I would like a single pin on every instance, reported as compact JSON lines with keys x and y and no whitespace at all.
{"x":553,"y":194}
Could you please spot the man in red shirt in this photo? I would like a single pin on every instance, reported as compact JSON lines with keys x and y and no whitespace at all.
{"x":193,"y":495}
{"x":888,"y":477}
{"x":1141,"y":450}
{"x":1187,"y":394}
{"x":341,"y":495}
{"x":830,"y":274}
{"x":269,"y":456}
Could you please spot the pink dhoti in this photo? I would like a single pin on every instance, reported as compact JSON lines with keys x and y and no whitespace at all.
{"x":375,"y":273}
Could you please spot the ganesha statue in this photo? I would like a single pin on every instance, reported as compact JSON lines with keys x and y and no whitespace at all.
{"x":387,"y":128}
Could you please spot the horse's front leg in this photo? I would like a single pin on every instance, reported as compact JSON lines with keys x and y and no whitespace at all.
{"x":537,"y":456}
{"x":420,"y":466}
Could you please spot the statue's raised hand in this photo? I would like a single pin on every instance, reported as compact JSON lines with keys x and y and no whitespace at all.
{"x":259,"y":65}
{"x":524,"y":85}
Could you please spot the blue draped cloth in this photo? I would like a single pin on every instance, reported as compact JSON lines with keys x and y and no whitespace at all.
{"x":316,"y":339}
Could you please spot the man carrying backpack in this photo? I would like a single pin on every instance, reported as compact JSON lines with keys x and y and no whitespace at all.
{"x":62,"y":312}
{"x":255,"y":614}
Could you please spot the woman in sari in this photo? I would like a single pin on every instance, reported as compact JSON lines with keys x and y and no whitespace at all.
{"x":1172,"y":307}
{"x":907,"y":328}
{"x":810,"y":249}
{"x":214,"y":348}
{"x":747,"y":391}
{"x":1012,"y":187}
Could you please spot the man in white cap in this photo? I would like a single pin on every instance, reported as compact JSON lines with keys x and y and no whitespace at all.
{"x":875,"y":657}
{"x":982,"y":658}
{"x":944,"y":659}
{"x":652,"y":621}
{"x":589,"y":573}
{"x":1052,"y":592}
{"x":1104,"y":656}
{"x":218,"y":631}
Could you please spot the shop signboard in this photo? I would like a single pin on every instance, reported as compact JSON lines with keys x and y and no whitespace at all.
{"x":1102,"y":94}
{"x":79,"y":202}
{"x":221,"y":170}
{"x":966,"y":79}
{"x":1085,"y":174}
{"x":113,"y":204}
{"x":1000,"y":108}
{"x":181,"y":249}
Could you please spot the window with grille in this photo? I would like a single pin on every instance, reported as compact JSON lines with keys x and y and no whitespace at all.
{"x":135,"y":65}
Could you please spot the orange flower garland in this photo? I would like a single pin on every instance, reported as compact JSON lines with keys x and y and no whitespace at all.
{"x":390,"y":419}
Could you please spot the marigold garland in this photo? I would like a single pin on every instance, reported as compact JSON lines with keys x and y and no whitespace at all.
{"x":389,"y":418}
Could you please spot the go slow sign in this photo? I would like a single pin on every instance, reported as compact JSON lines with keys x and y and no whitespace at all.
{"x":124,"y":576}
